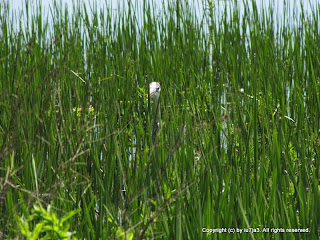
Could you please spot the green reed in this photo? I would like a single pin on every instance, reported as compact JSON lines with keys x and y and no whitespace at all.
{"x":238,"y":140}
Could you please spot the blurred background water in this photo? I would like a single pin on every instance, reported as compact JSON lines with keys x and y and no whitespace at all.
{"x":287,"y":12}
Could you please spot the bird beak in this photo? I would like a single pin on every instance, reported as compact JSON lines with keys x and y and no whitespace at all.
{"x":153,"y":93}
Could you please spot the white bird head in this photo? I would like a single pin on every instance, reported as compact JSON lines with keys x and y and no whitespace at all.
{"x":154,"y":90}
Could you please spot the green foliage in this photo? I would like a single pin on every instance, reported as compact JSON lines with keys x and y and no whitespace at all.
{"x":47,"y":224}
{"x":238,"y":141}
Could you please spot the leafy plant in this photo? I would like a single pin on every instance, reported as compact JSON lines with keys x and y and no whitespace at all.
{"x":46,"y":224}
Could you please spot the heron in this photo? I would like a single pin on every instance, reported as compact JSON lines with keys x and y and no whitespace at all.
{"x":154,"y":93}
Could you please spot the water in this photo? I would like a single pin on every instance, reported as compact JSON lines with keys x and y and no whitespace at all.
{"x":285,"y":12}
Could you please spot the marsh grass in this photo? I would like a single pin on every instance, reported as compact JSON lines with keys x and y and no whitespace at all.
{"x":238,"y":140}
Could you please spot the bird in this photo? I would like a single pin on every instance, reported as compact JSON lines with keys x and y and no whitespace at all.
{"x":154,"y":93}
{"x":154,"y":90}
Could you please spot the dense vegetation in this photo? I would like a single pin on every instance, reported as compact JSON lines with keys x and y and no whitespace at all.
{"x":238,"y":139}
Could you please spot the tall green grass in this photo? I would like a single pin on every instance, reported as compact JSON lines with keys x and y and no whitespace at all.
{"x":238,"y":140}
